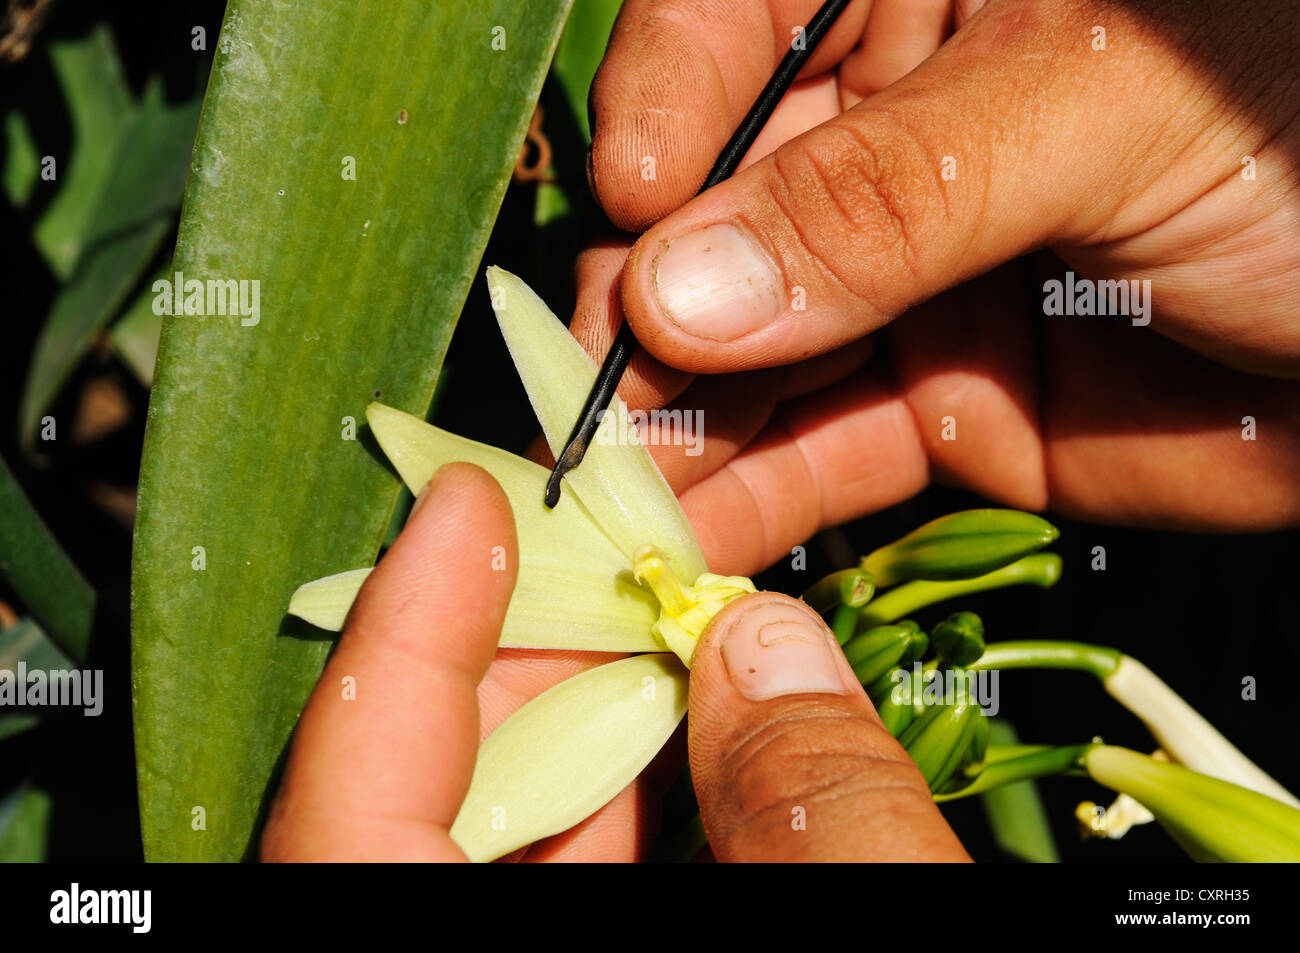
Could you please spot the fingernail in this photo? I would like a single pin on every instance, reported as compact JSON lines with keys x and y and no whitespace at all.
{"x":778,"y":648}
{"x":718,"y":283}
{"x":419,"y":501}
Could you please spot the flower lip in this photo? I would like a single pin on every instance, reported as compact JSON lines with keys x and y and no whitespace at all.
{"x":684,"y":611}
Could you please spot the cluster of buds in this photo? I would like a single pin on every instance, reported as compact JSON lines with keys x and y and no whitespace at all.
{"x":1212,"y":799}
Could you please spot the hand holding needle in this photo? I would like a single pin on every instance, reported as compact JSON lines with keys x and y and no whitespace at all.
{"x":624,"y":346}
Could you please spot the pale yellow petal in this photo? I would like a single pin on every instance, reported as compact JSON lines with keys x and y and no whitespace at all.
{"x":325,"y":602}
{"x":565,"y":754}
{"x":575,"y":588}
{"x":617,"y":481}
{"x":1184,"y":733}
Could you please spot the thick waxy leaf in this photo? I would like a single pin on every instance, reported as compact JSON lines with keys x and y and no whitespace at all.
{"x":617,"y":481}
{"x":574,"y":589}
{"x":38,"y":569}
{"x":580,"y":51}
{"x":25,"y":642}
{"x":566,"y":212}
{"x":351,"y":158}
{"x":565,"y":754}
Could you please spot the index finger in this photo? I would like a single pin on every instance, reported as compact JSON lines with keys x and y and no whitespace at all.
{"x":385,"y":750}
{"x":677,"y":79}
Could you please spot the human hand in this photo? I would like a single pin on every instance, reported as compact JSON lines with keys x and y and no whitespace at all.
{"x":789,"y":760}
{"x":380,"y":775}
{"x":1112,"y":423}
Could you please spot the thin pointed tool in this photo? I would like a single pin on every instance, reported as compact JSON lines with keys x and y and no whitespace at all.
{"x":620,"y":353}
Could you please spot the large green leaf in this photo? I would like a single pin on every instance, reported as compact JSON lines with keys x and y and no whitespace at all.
{"x":40,"y":572}
{"x":361,"y":283}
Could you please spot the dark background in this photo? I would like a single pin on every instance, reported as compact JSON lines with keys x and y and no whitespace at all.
{"x":1202,"y":611}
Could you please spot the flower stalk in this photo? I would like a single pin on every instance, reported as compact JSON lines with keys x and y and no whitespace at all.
{"x":1041,"y":569}
{"x":1181,"y":730}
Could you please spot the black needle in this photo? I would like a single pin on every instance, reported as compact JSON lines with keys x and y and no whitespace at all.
{"x":611,"y":371}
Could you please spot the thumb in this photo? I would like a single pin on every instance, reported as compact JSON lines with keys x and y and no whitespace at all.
{"x":790,"y":761}
{"x":992,"y":147}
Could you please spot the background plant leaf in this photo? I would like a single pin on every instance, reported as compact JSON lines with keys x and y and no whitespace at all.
{"x":99,"y":107}
{"x":40,"y":572}
{"x":1015,"y":812}
{"x":134,"y":213}
{"x":135,"y":334}
{"x":361,"y":284}
{"x":22,"y":163}
{"x":565,"y":212}
{"x":26,"y":642}
{"x":24,"y":824}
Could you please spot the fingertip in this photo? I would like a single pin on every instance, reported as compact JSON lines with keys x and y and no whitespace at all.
{"x":790,"y":760}
{"x":766,"y":645}
{"x":459,"y":539}
{"x":463,"y":499}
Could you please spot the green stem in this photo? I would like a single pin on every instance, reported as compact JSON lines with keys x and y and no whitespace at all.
{"x":1179,"y":728}
{"x":1008,"y":752}
{"x":849,"y":587}
{"x":1041,"y":569}
{"x":845,"y":622}
{"x":1066,"y":759}
{"x":1039,"y":653}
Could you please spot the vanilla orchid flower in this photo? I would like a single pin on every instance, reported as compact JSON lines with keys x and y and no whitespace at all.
{"x":614,"y":567}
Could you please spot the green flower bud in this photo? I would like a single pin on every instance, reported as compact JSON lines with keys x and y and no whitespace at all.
{"x":1212,"y":820}
{"x":848,"y":587}
{"x":979,"y":744}
{"x":882,"y":688}
{"x":918,"y":642}
{"x":870,"y":667}
{"x":876,"y":651}
{"x":892,"y":695}
{"x":959,"y":639}
{"x":959,"y":546}
{"x":938,"y":740}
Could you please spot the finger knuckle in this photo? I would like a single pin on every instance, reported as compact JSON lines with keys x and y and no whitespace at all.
{"x":816,"y":757}
{"x":866,"y":188}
